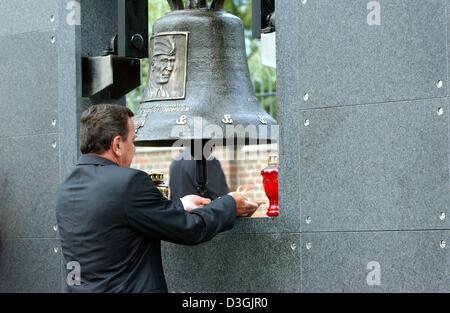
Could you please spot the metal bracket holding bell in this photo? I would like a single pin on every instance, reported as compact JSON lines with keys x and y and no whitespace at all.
{"x":118,"y":71}
{"x":263,"y":17}
{"x":133,"y":29}
{"x":111,"y":76}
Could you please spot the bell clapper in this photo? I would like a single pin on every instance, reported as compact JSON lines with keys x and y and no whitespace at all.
{"x":201,"y":171}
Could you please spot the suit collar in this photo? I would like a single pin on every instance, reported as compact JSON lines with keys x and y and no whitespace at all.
{"x":93,"y":159}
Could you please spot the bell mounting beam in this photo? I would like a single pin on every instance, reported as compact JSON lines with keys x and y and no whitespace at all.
{"x":195,"y":4}
{"x":217,"y":4}
{"x":176,"y":4}
{"x":133,"y":29}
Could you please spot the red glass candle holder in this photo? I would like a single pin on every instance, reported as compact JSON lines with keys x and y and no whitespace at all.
{"x":270,"y":183}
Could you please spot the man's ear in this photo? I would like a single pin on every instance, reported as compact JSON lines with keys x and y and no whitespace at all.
{"x":116,"y":145}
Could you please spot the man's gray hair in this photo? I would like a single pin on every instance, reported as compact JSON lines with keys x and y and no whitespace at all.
{"x":100,"y":124}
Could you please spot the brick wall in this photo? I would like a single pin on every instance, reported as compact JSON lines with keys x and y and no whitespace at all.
{"x":244,"y":169}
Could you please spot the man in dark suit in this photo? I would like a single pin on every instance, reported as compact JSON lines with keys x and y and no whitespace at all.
{"x":112,"y":218}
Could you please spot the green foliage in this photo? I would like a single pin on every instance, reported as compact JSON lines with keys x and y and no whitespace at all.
{"x":243,"y":9}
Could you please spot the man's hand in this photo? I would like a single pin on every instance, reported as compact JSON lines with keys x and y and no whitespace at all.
{"x":193,"y":202}
{"x":244,"y":208}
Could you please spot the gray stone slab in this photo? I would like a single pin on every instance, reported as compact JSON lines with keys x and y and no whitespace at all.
{"x":448,"y":40}
{"x":30,"y":265}
{"x":235,"y":263}
{"x":398,"y":261}
{"x":99,"y":25}
{"x":28,"y":89}
{"x":69,"y":103}
{"x":28,"y":16}
{"x":29,"y":175}
{"x":342,"y":60}
{"x":288,"y":221}
{"x":375,"y":167}
{"x":288,"y":112}
{"x":69,"y":94}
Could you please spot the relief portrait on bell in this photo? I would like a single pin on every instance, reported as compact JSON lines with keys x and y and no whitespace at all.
{"x":167,"y":74}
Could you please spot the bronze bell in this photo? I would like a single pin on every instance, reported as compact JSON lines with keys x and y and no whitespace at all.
{"x":199,"y":75}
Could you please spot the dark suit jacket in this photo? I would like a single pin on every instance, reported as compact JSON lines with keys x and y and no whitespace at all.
{"x":183,"y":179}
{"x":112,"y":220}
